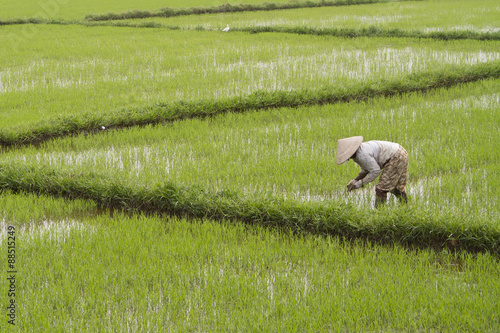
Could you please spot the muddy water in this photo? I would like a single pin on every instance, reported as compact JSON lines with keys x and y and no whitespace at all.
{"x":48,"y":230}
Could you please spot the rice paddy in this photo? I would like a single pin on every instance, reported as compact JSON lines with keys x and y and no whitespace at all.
{"x":184,"y":179}
{"x":227,"y":276}
{"x":425,"y":16}
{"x":78,"y":9}
{"x":282,"y":152}
{"x":106,"y":62}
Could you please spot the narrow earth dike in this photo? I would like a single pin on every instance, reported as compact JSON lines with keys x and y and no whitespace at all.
{"x":229,"y":8}
{"x":376,"y":32}
{"x":408,"y":227}
{"x":167,"y":112}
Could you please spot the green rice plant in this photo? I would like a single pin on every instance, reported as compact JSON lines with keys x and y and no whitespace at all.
{"x":58,"y":90}
{"x":156,"y":273}
{"x":276,"y":167}
{"x":371,"y":32}
{"x":227,"y":8}
{"x":436,"y":19}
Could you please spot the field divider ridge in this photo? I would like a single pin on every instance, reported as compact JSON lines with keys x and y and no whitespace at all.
{"x":371,"y":31}
{"x":374,"y":31}
{"x":174,"y":111}
{"x":406,"y":226}
{"x":231,"y":8}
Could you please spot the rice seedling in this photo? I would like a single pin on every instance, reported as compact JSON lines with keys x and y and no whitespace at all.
{"x":426,"y":17}
{"x":109,"y":70}
{"x":156,"y":273}
{"x":237,"y":165}
{"x":13,"y":208}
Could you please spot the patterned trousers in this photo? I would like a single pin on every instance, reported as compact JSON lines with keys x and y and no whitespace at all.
{"x":395,"y":173}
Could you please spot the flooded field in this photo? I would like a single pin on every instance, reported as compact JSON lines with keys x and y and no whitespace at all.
{"x":170,"y":272}
{"x":169,"y":176}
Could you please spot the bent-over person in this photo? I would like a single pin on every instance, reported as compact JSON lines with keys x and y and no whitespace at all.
{"x":387,"y":159}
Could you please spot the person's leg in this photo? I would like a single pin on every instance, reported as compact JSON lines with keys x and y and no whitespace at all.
{"x":401,"y":195}
{"x":400,"y":189}
{"x":380,"y":197}
{"x":393,"y":178}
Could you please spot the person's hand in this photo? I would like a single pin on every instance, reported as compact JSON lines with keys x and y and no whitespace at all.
{"x":354,"y":185}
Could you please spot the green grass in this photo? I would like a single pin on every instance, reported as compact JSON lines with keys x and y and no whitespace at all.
{"x":480,"y":16}
{"x":109,"y":70}
{"x":239,"y":165}
{"x":78,"y":9}
{"x":154,"y":273}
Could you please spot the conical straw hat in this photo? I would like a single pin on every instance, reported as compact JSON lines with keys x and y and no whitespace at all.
{"x":347,"y":147}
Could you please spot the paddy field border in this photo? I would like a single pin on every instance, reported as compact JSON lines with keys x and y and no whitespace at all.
{"x":418,"y":230}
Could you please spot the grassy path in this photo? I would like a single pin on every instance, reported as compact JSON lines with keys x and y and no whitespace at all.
{"x":165,"y":112}
{"x":409,"y":227}
{"x":200,"y":10}
{"x":417,"y":229}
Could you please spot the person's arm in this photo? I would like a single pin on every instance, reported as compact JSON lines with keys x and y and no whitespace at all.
{"x":362,"y":174}
{"x":357,"y":182}
{"x":369,"y":172}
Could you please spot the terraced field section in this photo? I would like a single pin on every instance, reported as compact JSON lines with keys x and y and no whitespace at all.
{"x":84,"y":270}
{"x":161,"y":174}
{"x":78,"y":9}
{"x":426,"y":17}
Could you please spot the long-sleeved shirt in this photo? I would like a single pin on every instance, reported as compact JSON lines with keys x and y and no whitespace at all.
{"x":371,"y":156}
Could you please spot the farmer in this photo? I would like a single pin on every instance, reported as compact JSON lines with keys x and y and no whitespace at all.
{"x":375,"y":157}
